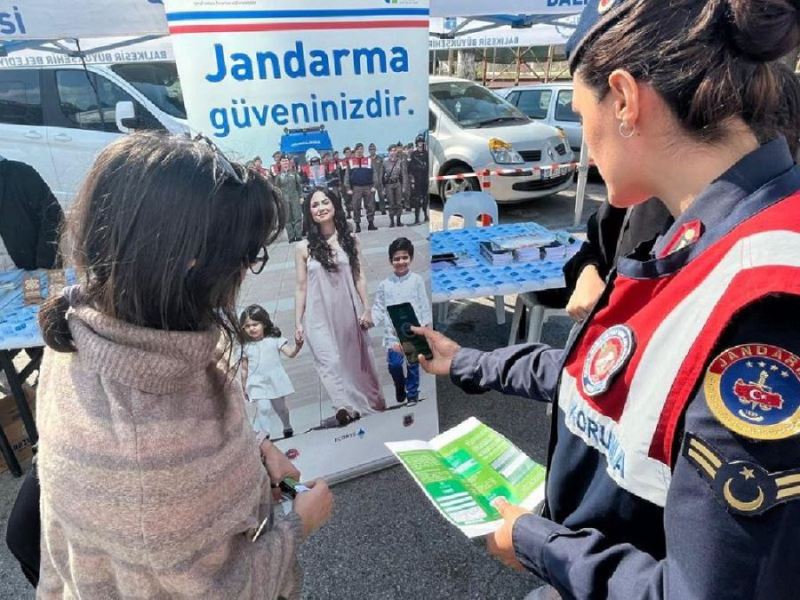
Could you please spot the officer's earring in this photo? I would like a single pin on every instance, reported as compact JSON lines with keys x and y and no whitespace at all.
{"x":626,"y":130}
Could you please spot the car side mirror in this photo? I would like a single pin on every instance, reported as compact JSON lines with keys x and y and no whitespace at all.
{"x":125,"y":116}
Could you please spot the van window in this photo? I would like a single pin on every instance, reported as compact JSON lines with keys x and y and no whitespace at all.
{"x":564,"y":110}
{"x":78,"y":94}
{"x":535,"y":103}
{"x":158,"y":82}
{"x":472,"y":106}
{"x":431,"y":121}
{"x":20,"y":97}
{"x":512,"y":97}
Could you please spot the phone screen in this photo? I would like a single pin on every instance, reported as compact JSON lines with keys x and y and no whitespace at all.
{"x":404,"y":318}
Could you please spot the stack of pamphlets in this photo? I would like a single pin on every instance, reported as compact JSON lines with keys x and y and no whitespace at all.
{"x":463,"y":470}
{"x":495,"y":254}
{"x":526,"y":247}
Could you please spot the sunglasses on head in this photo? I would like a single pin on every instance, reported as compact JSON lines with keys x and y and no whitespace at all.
{"x":221,"y":162}
{"x":259,"y":261}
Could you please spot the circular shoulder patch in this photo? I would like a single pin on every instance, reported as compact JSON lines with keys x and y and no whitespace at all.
{"x":754,"y":390}
{"x":609,"y":353}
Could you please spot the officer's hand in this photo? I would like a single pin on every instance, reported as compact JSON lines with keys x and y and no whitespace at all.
{"x":501,"y":544}
{"x":444,"y":350}
{"x":588,"y":290}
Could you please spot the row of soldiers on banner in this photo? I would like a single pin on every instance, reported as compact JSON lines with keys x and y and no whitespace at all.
{"x":367,"y":183}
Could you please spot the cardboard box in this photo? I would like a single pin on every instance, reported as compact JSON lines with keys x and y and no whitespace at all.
{"x":13,"y":427}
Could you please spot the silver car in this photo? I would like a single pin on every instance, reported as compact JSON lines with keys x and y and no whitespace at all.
{"x":549,"y":103}
{"x":471,"y":129}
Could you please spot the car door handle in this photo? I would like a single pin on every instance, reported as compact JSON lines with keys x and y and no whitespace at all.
{"x":33,"y":135}
{"x":62,"y":137}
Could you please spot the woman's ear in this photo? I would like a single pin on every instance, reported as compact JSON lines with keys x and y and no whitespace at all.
{"x":625,"y":94}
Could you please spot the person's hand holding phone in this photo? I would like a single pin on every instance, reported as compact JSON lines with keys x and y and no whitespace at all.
{"x":314,"y":507}
{"x":278,"y":466}
{"x":443,"y":348}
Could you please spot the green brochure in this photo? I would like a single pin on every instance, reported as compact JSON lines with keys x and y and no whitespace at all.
{"x":465,"y":468}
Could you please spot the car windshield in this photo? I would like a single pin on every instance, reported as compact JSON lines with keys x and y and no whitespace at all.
{"x":473,"y":106}
{"x":158,"y":82}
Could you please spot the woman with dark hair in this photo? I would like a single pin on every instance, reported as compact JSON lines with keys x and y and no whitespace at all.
{"x":152,"y":484}
{"x":332,"y":310}
{"x":674,"y":462}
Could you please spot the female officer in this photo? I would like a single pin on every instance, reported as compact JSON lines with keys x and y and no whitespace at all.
{"x":674,"y":464}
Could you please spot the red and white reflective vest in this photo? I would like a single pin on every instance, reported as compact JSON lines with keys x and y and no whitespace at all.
{"x":676,"y":320}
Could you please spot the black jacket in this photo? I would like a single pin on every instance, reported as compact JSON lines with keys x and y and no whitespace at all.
{"x":603,"y":244}
{"x":30,"y":217}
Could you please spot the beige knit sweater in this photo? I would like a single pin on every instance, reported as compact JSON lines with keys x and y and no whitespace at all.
{"x":152,"y":484}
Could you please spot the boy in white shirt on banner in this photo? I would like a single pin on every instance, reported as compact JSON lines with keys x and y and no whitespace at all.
{"x":401,"y":286}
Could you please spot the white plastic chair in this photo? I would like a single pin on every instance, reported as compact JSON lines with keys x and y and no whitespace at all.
{"x":538,"y":315}
{"x":472,"y":205}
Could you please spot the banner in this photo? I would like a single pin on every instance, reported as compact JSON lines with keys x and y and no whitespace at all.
{"x":56,"y":19}
{"x":474,"y":8}
{"x":500,"y":37}
{"x":269,"y":78}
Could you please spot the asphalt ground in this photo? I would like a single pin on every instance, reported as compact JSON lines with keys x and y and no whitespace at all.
{"x":385,"y":540}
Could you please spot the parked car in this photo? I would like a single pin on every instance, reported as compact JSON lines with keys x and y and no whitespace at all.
{"x":57,"y":119}
{"x":472,"y":129}
{"x":549,"y":103}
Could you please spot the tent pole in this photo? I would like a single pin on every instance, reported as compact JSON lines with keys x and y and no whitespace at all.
{"x":583,"y":175}
{"x":549,"y":63}
{"x":516,"y":74}
{"x":485,"y":67}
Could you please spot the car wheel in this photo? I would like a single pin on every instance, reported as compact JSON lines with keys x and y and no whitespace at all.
{"x":448,"y":187}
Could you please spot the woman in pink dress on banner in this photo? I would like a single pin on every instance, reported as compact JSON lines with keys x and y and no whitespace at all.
{"x":332,"y":310}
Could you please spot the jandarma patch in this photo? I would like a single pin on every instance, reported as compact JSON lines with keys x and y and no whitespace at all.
{"x":609,"y":353}
{"x":743,"y":487}
{"x":754,"y":390}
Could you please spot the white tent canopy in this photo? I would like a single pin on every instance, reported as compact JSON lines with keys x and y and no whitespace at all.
{"x":57,"y":19}
{"x":40,"y":20}
{"x":480,"y":33}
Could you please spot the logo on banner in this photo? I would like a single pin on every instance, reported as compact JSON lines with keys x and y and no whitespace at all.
{"x":754,"y":390}
{"x":360,"y":434}
{"x":609,"y":353}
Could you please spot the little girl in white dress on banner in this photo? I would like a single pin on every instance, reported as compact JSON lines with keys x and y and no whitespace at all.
{"x":265,"y":380}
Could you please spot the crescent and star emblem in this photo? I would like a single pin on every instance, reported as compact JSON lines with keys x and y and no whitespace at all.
{"x":742,"y":487}
{"x":741,"y":505}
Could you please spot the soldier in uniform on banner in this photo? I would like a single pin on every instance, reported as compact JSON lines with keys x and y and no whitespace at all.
{"x":377,"y":161}
{"x":418,"y":172}
{"x":395,"y":182}
{"x":362,"y":182}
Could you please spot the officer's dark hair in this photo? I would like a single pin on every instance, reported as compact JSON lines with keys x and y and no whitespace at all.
{"x":164,"y":229}
{"x":401,"y":244}
{"x":710,"y":61}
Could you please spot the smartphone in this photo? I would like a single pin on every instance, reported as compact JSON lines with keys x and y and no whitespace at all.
{"x":291,"y":488}
{"x":404,"y":318}
{"x":446,"y":257}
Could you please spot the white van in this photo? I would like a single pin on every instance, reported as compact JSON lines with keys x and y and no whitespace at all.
{"x":58,"y":118}
{"x":472,"y":129}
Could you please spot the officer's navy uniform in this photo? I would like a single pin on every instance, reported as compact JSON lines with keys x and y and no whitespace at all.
{"x":674,"y":462}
